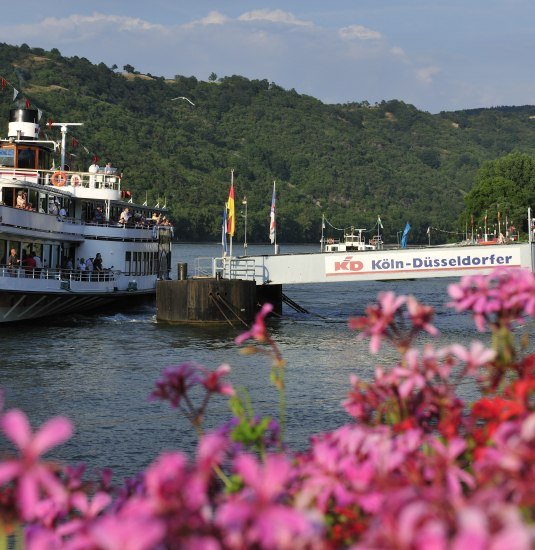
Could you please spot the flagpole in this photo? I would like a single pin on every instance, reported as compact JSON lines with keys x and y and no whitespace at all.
{"x":231,"y":186}
{"x":322,"y":228}
{"x":275,"y":194}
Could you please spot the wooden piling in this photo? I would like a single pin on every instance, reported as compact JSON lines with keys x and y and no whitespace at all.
{"x":206,"y":300}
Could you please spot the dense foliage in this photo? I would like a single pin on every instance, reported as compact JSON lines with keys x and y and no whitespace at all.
{"x":503,"y":187}
{"x":352,"y":162}
{"x":414,"y":468}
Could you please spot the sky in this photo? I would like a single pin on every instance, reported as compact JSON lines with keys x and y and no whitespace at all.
{"x":439,"y":55}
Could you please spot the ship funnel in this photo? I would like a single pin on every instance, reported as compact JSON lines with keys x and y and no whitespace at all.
{"x":23,"y":124}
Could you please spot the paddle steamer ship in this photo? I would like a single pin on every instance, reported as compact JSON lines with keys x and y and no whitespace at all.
{"x":54,"y":218}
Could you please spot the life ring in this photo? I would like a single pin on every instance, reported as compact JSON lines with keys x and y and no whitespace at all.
{"x":330,"y":241}
{"x":59,"y":179}
{"x":76,"y":180}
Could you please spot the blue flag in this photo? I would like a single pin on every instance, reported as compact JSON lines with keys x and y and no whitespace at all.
{"x":224,"y":231}
{"x":404,"y":236}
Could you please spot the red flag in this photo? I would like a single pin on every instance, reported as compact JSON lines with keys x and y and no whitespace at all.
{"x":49,"y":123}
{"x":3,"y":83}
{"x":27,"y":104}
{"x":74,"y":143}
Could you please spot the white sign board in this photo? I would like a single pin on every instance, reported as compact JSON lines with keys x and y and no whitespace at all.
{"x":422,"y":260}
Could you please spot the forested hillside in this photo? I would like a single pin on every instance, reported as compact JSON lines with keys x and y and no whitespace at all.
{"x":351,"y":162}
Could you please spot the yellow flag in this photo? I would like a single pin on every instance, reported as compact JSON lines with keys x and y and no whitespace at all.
{"x":231,"y":219}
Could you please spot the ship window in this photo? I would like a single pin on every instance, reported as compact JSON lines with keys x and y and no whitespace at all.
{"x":7,"y":157}
{"x":26,"y":158}
{"x":44,"y":159}
{"x":127,"y":260}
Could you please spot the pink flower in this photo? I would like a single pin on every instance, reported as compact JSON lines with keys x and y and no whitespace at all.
{"x":212,"y":381}
{"x":504,"y":296}
{"x":378,"y":319}
{"x":175,"y":383}
{"x":447,"y":465}
{"x":127,"y":533}
{"x":258,"y":330}
{"x":475,"y":357}
{"x":211,"y":451}
{"x":421,"y":315}
{"x":257,"y":516}
{"x":32,"y":476}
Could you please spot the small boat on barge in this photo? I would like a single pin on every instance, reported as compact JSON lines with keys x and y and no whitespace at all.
{"x":52,"y":219}
{"x":353,"y":241}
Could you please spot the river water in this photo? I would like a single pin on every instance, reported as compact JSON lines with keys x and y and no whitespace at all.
{"x":99,"y":368}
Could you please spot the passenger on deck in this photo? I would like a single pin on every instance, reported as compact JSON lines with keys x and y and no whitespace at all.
{"x":38,"y":265}
{"x":53,"y":207}
{"x":21,"y":200}
{"x":108,"y":168}
{"x":13,"y":262}
{"x":124,"y":218}
{"x":28,"y":263}
{"x":93,"y":169}
{"x":99,"y":215}
{"x":97,"y":263}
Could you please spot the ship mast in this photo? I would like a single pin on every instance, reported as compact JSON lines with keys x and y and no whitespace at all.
{"x":63,"y":126}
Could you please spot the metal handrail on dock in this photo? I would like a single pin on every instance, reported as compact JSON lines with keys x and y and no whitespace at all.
{"x":234,"y":268}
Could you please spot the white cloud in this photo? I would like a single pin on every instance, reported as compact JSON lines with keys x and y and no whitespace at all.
{"x":398,"y":52}
{"x":358,"y":32}
{"x":213,"y":18}
{"x":426,"y":74}
{"x":274,"y":16}
{"x":119,"y":21}
{"x":77,"y":28}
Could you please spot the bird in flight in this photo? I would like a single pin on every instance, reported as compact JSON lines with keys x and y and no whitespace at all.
{"x":182,"y":97}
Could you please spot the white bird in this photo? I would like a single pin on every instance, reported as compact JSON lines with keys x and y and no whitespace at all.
{"x":182,"y":97}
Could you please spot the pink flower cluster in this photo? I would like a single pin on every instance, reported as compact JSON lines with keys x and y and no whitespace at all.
{"x":416,"y":468}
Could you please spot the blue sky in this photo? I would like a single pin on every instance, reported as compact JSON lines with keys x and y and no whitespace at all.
{"x":437,"y":55}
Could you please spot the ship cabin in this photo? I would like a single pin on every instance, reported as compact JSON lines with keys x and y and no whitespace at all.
{"x":29,"y":180}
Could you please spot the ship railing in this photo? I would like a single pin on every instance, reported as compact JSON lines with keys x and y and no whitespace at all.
{"x":106,"y":275}
{"x":64,"y":178}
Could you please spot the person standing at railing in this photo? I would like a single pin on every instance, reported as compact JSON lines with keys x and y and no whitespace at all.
{"x":13,"y":262}
{"x":28,"y":263}
{"x":93,"y":169}
{"x":38,"y":265}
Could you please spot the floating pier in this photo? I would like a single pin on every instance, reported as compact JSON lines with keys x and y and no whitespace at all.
{"x":234,"y":288}
{"x":213,"y":300}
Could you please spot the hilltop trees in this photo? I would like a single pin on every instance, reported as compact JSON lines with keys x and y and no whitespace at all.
{"x":505,"y":186}
{"x":351,"y":162}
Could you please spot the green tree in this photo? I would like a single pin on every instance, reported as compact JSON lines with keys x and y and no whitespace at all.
{"x":505,"y":185}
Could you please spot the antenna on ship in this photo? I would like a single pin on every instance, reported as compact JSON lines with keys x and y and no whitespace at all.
{"x":64,"y":136}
